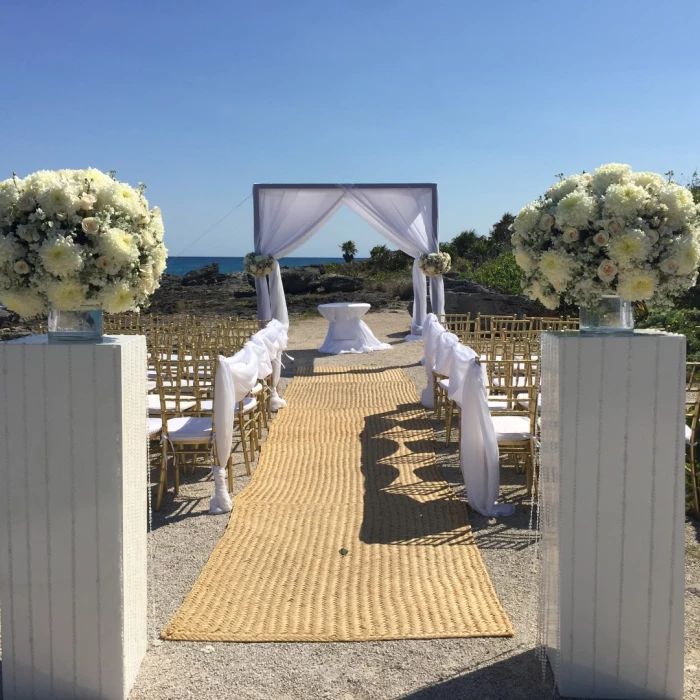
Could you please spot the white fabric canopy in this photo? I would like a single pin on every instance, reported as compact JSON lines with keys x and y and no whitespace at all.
{"x":287,"y":216}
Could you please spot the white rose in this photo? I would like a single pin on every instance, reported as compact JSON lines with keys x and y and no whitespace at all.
{"x":652,"y":235}
{"x":571,"y":235}
{"x":86,"y":201}
{"x":90,"y":225}
{"x":601,"y":238}
{"x":615,"y":225}
{"x":607,"y":270}
{"x":546,"y":222}
{"x":21,"y":267}
{"x":26,"y":202}
{"x":669,"y":266}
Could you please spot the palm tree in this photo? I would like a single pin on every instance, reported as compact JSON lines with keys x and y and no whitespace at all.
{"x":349,"y":251}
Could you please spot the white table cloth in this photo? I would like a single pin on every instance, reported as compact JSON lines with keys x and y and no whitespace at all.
{"x":347,"y":332}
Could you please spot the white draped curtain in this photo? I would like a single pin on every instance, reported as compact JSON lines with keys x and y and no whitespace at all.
{"x":286,"y":217}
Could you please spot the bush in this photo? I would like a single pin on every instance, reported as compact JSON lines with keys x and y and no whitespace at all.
{"x":683,"y":321}
{"x":502,"y":274}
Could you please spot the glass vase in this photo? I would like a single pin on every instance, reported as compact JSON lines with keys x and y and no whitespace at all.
{"x":78,"y":326}
{"x":610,"y":316}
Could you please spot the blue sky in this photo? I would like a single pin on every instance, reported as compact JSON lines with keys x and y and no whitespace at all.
{"x":488,"y":99}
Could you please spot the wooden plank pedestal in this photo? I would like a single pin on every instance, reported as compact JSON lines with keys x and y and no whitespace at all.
{"x":612,"y":513}
{"x":73,"y":519}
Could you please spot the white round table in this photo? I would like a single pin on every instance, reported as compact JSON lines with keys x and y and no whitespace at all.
{"x":347,"y":332}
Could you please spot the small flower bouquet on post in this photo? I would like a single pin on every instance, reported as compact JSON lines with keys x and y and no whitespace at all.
{"x":76,"y":239}
{"x":258,"y":265}
{"x":615,"y":233}
{"x":434,"y":264}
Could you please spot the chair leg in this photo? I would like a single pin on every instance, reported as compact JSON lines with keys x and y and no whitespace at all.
{"x":163,"y":476}
{"x":176,"y":460}
{"x":449,"y":410}
{"x":694,"y":480}
{"x":244,"y":446}
{"x":229,"y":470}
{"x":530,"y":468}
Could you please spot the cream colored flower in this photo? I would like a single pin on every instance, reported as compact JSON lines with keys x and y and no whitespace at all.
{"x":87,"y":201}
{"x":23,"y":301}
{"x":537,"y":291}
{"x":525,"y":260}
{"x":119,"y":245}
{"x":576,"y":210}
{"x":629,"y":247}
{"x":21,"y":267}
{"x":570,"y":235}
{"x":66,"y":295}
{"x":625,"y":200}
{"x":652,"y":235}
{"x":637,"y":285}
{"x":651,"y":181}
{"x":560,"y":189}
{"x":546,"y":222}
{"x":26,"y":203}
{"x":614,"y":225}
{"x":601,"y":238}
{"x":687,"y":254}
{"x":117,"y":298}
{"x":612,"y":173}
{"x":557,"y":268}
{"x":679,"y":202}
{"x":527,"y":219}
{"x":90,"y":225}
{"x":669,"y":266}
{"x":60,"y":256}
{"x":607,"y":270}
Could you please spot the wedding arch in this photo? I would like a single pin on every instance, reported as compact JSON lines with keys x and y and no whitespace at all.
{"x":286,"y":216}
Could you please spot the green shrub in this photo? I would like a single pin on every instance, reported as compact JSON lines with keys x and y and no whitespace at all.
{"x":683,"y":321}
{"x":502,"y":274}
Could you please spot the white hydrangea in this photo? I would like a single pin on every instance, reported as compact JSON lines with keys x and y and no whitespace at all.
{"x":629,"y":247}
{"x":650,"y":181}
{"x":679,"y":203}
{"x":23,"y":301}
{"x":556,"y":268}
{"x":119,"y":245}
{"x":576,"y":210}
{"x":60,"y":256}
{"x":117,"y":298}
{"x":560,"y":189}
{"x":625,"y":200}
{"x":610,"y":174}
{"x":527,"y":219}
{"x":524,"y":259}
{"x":686,"y":252}
{"x":66,"y":295}
{"x":637,"y":285}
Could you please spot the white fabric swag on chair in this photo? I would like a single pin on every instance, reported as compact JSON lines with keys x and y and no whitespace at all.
{"x":274,"y":337}
{"x":287,"y":217}
{"x":235,"y":383}
{"x":479,"y":447}
{"x":432,"y":330}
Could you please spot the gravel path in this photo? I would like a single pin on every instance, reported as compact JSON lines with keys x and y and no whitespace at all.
{"x":184,"y":534}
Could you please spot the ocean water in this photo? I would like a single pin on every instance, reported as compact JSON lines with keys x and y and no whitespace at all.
{"x":180,"y":265}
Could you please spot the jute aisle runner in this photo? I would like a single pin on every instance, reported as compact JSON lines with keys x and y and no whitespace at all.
{"x":346,"y":531}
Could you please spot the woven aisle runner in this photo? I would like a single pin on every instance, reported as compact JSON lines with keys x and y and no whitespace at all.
{"x":349,"y":465}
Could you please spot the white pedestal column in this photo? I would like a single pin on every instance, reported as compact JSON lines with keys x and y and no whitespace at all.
{"x":73,"y":517}
{"x":612,"y":513}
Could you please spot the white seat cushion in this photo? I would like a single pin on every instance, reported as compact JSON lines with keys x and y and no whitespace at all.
{"x":155,"y":425}
{"x":511,"y":428}
{"x":256,"y":389}
{"x":154,"y":405}
{"x":514,"y":381}
{"x":185,"y":429}
{"x":249,"y":403}
{"x":688,"y":435}
{"x":444,"y":384}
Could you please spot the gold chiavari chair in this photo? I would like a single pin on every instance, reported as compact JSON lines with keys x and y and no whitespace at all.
{"x":459,"y":324}
{"x":692,"y":413}
{"x":186,"y":437}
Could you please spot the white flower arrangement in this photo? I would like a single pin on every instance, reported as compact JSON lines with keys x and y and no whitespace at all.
{"x":77,"y":238}
{"x":433,"y":264}
{"x":258,"y":265}
{"x":615,"y":232}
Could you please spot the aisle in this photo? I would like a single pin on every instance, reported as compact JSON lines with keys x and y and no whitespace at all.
{"x":346,"y":531}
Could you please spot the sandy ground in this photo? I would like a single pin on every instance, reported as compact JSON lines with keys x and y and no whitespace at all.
{"x":183,"y":535}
